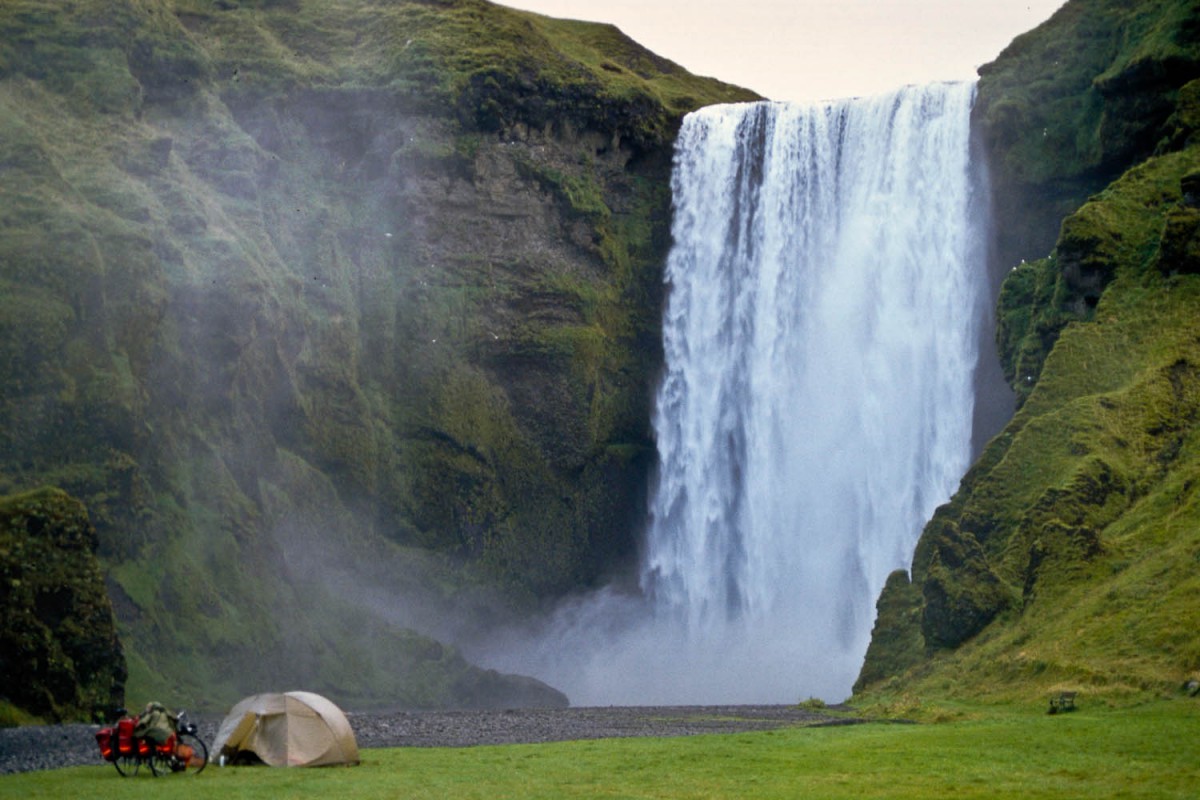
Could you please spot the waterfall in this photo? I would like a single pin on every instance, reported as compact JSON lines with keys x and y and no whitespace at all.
{"x":820,"y":335}
{"x":821,"y":329}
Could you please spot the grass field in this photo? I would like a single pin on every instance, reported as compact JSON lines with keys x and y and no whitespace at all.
{"x":1148,"y":751}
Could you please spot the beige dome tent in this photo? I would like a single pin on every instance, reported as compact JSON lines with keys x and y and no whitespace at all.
{"x":293,"y":729}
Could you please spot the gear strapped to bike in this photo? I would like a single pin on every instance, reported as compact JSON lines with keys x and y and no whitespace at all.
{"x":167,"y":743}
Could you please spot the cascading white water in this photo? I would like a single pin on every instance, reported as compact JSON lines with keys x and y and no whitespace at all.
{"x":821,"y":337}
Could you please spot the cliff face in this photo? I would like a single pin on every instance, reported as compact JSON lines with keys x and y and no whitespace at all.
{"x":295,"y":291}
{"x":1067,"y":558}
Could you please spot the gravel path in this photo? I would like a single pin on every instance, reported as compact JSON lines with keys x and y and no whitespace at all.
{"x":53,"y":746}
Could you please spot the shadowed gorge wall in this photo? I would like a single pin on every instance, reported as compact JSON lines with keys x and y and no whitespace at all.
{"x":1067,"y":558}
{"x":292,"y":289}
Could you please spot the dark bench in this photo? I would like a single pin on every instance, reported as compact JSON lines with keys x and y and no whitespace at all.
{"x":1065,"y":701}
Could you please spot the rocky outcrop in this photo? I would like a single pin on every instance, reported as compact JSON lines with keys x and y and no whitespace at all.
{"x":1059,"y":124}
{"x":59,"y":654}
{"x":1069,"y":106}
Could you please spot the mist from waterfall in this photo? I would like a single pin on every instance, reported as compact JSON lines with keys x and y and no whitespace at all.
{"x":821,"y":330}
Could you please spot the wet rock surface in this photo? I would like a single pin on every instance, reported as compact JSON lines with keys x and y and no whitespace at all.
{"x":52,"y":746}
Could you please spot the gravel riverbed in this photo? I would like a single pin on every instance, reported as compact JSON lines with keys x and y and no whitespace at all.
{"x":52,"y":746}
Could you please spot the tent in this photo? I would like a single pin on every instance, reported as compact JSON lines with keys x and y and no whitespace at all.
{"x":293,"y":729}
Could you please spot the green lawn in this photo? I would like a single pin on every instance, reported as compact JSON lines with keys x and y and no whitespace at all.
{"x":1149,"y":751}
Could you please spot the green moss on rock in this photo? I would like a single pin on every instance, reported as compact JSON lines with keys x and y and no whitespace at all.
{"x":1070,"y":105}
{"x":61,"y":656}
{"x":897,"y":644}
{"x":961,"y":593}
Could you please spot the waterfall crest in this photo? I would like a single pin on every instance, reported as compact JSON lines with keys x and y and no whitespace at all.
{"x":820,"y":336}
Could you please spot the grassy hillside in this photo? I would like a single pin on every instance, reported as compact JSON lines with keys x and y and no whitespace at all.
{"x":340,"y":318}
{"x":1067,"y":560}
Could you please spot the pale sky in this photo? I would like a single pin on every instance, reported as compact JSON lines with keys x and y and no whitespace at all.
{"x":816,"y":49}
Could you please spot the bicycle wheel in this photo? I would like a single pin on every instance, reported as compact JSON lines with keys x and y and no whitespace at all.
{"x":159,"y":764}
{"x":191,"y":754}
{"x":127,"y":765}
{"x":161,"y":758}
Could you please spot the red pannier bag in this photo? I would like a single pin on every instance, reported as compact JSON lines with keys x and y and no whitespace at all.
{"x":167,"y":748}
{"x":107,"y":739}
{"x":125,"y":746}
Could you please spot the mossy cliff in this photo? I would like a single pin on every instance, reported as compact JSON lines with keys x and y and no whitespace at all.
{"x":1068,"y":558}
{"x":59,"y":653}
{"x":320,"y":305}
